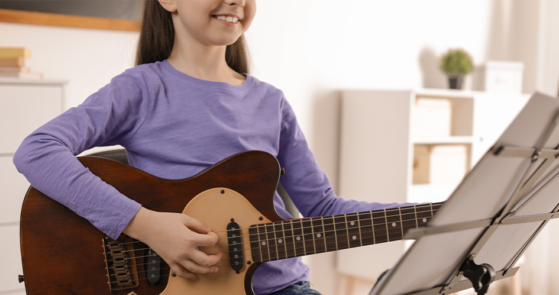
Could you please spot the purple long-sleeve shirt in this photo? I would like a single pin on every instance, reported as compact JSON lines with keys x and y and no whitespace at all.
{"x":174,"y":126}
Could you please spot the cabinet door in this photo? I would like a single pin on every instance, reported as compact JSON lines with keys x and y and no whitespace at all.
{"x":375,"y":154}
{"x":14,"y":186}
{"x":24,"y":108}
{"x":493,"y":114}
{"x":11,"y":261}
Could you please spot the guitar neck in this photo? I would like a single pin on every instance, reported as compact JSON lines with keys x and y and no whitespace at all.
{"x":300,"y":237}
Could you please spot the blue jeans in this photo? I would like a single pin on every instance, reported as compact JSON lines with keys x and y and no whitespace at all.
{"x":300,"y":288}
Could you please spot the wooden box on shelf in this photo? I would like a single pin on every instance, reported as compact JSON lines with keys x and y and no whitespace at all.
{"x":439,"y":163}
{"x":432,"y":117}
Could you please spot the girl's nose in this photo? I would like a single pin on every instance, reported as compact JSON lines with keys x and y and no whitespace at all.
{"x":241,"y":3}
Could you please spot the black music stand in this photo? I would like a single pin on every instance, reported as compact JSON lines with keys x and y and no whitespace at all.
{"x":491,"y":218}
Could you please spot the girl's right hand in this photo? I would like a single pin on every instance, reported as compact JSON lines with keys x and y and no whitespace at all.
{"x":176,"y":238}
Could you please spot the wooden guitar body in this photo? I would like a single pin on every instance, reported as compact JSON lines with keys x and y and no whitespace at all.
{"x":62,"y":253}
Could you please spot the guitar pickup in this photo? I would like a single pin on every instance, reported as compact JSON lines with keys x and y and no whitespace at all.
{"x":152,"y":264}
{"x":235,"y":246}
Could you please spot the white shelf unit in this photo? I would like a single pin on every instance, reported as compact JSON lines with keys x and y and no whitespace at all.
{"x":25,"y":105}
{"x":376,"y":154}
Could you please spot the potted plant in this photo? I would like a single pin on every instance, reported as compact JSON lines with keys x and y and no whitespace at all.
{"x":456,"y":63}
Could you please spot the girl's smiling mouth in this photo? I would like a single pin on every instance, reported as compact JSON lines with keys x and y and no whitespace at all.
{"x":227,"y":19}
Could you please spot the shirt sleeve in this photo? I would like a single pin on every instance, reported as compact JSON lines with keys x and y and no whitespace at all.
{"x":305,"y":182}
{"x":47,"y":156}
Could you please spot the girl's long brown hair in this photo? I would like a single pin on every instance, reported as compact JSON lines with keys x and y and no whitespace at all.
{"x":157,"y":37}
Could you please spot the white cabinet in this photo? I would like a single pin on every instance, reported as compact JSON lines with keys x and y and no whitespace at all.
{"x":25,"y":105}
{"x":377,"y":153}
{"x":11,"y":259}
{"x":14,"y":186}
{"x":23,"y":108}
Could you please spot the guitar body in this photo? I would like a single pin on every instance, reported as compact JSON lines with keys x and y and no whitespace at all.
{"x":62,"y":253}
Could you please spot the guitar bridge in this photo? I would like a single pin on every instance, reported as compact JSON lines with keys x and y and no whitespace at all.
{"x":120,"y":262}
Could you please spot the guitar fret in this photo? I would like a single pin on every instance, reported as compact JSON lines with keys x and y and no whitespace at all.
{"x":335,"y":232}
{"x":416,"y":221}
{"x":353,"y":230}
{"x":424,"y":214}
{"x":341,"y":232}
{"x":408,"y":223}
{"x":373,"y":227}
{"x":298,"y":234}
{"x":329,"y":233}
{"x":359,"y":226}
{"x":255,"y":243}
{"x":347,"y":231}
{"x":386,"y":223}
{"x":401,"y":223}
{"x":324,"y":234}
{"x":312,"y":231}
{"x":380,"y":228}
{"x":280,"y":243}
{"x":330,"y":236}
{"x":367,"y":237}
{"x":393,"y":218}
{"x":275,"y":240}
{"x":284,"y":240}
{"x":271,"y":251}
{"x":265,"y":250}
{"x":307,"y":236}
{"x":431,"y":205}
{"x":289,"y":239}
{"x":318,"y":235}
{"x":293,"y":235}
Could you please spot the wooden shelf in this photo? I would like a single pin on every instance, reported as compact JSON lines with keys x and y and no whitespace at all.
{"x":443,"y":140}
{"x":7,"y":80}
{"x":61,"y":20}
{"x":419,"y":193}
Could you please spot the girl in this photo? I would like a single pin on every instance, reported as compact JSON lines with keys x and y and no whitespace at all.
{"x":188,"y":103}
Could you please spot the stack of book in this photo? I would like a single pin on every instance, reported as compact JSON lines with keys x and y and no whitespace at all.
{"x":12,"y":63}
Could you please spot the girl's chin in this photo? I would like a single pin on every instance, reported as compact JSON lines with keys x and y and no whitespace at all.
{"x":224,"y":40}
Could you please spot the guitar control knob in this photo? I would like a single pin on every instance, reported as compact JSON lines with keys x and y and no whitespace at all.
{"x":20,"y":278}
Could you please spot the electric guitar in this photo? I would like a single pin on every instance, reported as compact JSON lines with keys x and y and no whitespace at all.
{"x":63,"y":253}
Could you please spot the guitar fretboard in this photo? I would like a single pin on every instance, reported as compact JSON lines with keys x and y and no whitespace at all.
{"x":299,"y":237}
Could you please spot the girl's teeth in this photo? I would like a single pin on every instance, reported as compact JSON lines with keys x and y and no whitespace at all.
{"x":228,"y":19}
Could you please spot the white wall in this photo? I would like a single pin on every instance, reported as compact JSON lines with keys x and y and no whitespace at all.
{"x":313,"y":48}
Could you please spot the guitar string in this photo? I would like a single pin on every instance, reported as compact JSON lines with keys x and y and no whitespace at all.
{"x":277,"y":252}
{"x":251,"y":248}
{"x":274,"y":252}
{"x":294,"y":229}
{"x":309,"y":220}
{"x":267,"y":240}
{"x":301,"y":228}
{"x":357,"y":213}
{"x":365,"y":228}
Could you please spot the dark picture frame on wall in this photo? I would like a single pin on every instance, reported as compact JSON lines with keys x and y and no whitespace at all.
{"x":120,"y":15}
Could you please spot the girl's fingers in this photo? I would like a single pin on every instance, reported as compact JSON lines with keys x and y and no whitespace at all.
{"x":204,"y":259}
{"x":195,"y":268}
{"x":194,"y":224}
{"x":206,"y":240}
